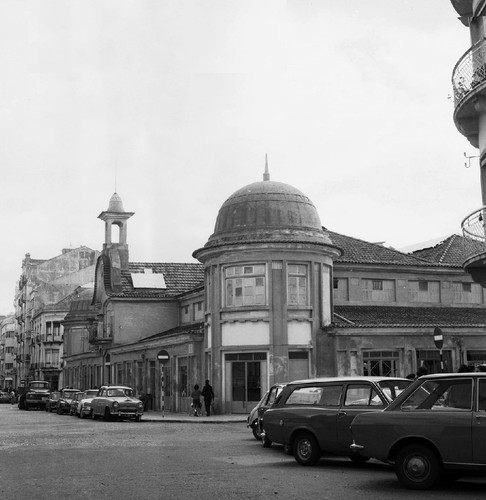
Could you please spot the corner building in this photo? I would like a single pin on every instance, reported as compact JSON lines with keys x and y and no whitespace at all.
{"x":268,"y":282}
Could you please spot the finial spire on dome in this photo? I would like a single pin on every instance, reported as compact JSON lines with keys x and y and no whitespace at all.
{"x":266,"y":175}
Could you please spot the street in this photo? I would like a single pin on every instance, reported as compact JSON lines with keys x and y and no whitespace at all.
{"x":45,"y":455}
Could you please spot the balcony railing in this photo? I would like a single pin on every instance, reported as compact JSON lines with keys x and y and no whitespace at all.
{"x":474,"y":232}
{"x":469,"y":72}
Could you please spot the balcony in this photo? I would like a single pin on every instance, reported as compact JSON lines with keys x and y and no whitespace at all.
{"x":474,"y":232}
{"x":469,"y":86}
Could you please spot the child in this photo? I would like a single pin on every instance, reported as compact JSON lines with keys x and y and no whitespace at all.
{"x":196,"y":400}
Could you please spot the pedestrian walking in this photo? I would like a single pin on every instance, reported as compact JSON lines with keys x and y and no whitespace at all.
{"x":196,"y":400}
{"x":208,"y":396}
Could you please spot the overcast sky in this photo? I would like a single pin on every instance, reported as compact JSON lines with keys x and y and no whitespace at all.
{"x":177,"y":102}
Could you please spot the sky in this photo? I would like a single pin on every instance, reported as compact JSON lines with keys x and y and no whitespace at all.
{"x":174,"y":104}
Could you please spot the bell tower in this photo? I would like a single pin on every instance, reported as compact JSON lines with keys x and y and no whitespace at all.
{"x":117,"y":251}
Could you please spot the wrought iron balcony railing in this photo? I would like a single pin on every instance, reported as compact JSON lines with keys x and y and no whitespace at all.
{"x":469,"y":72}
{"x":474,"y":232}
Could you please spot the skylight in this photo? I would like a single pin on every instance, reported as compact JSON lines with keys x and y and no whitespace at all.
{"x":148,"y":279}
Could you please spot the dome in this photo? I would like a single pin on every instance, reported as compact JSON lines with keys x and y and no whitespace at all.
{"x":267,"y":211}
{"x":116,"y":204}
{"x":267,"y":204}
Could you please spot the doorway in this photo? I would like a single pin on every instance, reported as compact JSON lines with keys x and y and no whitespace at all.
{"x":246,"y":380}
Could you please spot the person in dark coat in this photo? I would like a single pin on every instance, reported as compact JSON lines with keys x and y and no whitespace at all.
{"x":208,"y":396}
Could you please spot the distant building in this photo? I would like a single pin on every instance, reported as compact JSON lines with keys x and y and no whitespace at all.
{"x":8,"y":346}
{"x":40,"y":307}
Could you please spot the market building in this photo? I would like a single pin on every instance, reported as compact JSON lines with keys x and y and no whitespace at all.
{"x":275,"y":296}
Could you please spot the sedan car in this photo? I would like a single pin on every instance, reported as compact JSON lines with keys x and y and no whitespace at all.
{"x":116,"y":401}
{"x":51,"y":403}
{"x":84,"y":404}
{"x":65,"y":400}
{"x":73,"y":410}
{"x":435,"y":427}
{"x":312,"y":417}
{"x":253,"y":420}
{"x":4,"y":397}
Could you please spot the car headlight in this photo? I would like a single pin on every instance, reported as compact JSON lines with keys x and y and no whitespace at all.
{"x":116,"y":405}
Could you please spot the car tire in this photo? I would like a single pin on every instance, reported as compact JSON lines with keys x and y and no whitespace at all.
{"x":92,"y":415}
{"x":266,"y":443}
{"x":418,"y":467}
{"x":107,"y":414}
{"x":58,"y":410}
{"x":26,"y":407}
{"x":138,"y":418}
{"x":306,"y":450}
{"x":257,"y":433}
{"x":358,"y":459}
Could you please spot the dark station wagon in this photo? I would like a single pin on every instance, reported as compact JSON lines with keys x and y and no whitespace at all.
{"x":312,"y":417}
{"x":435,"y":429}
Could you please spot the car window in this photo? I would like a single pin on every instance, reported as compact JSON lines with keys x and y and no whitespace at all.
{"x":273,"y":395}
{"x":392,"y":388}
{"x":443,"y":394}
{"x":362,"y":395}
{"x":305,"y":396}
{"x":482,"y":395}
{"x":115,"y":393}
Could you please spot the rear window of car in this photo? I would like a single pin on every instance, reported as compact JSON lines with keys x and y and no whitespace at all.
{"x":442,"y":394}
{"x":324,"y":395}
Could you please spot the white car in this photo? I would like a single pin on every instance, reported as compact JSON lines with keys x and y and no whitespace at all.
{"x":84,"y":405}
{"x":116,"y":401}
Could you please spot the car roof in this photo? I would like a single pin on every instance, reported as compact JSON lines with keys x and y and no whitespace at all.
{"x":357,"y":378}
{"x":116,"y":387}
{"x":454,"y":375}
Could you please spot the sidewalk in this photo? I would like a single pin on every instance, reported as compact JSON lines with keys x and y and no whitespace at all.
{"x":157,"y":416}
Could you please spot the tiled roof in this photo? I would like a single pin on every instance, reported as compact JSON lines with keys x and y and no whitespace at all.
{"x":179,"y":278}
{"x":357,"y":251}
{"x":386,"y":316}
{"x":451,"y":251}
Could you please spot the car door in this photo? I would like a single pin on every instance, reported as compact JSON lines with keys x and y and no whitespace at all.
{"x":479,"y":424}
{"x":359,"y":397}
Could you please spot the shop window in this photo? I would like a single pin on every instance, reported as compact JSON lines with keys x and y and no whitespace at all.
{"x":380,"y":363}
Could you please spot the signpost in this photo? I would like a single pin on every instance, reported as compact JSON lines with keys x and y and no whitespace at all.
{"x":439,"y":342}
{"x":163,"y":357}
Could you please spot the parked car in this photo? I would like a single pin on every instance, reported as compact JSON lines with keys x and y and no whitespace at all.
{"x":4,"y":397}
{"x":116,"y":401}
{"x":51,"y":403}
{"x":65,"y":400}
{"x":84,"y":405}
{"x":73,"y":410}
{"x":435,"y":427}
{"x":312,"y":417}
{"x":35,"y":396}
{"x":254,"y":417}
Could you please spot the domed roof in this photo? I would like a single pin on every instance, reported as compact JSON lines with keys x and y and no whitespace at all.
{"x":267,"y":204}
{"x":116,"y":204}
{"x":264,"y":212}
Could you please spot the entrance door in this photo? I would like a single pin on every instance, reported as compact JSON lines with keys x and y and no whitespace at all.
{"x":245,"y":385}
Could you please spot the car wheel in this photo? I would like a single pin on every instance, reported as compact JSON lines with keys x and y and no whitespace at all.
{"x":358,"y":459}
{"x":257,"y":433}
{"x":59,"y":411}
{"x":26,"y":407}
{"x":306,"y":449}
{"x":107,"y":414}
{"x":92,"y":415}
{"x":138,"y":418}
{"x":418,"y":467}
{"x":266,"y":443}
